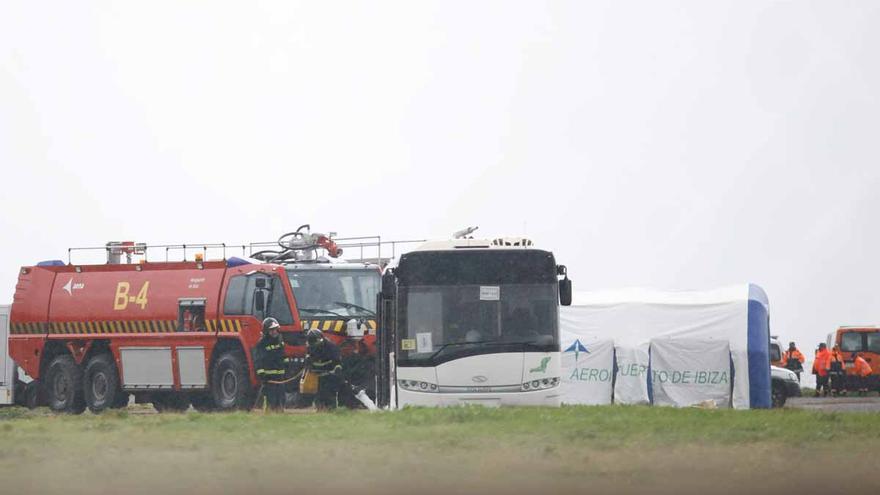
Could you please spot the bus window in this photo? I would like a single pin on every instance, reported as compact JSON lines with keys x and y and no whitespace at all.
{"x":874,"y":342}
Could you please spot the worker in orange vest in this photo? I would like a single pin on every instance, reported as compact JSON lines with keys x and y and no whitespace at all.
{"x":862,"y":370}
{"x":820,"y":369}
{"x":793,"y":359}
{"x":836,"y":372}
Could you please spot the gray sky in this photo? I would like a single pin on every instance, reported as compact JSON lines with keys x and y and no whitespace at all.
{"x":670,"y":145}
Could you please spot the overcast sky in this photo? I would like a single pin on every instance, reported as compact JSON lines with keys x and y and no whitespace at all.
{"x":670,"y":145}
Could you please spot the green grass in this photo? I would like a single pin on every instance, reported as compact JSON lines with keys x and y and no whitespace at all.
{"x":617,"y":448}
{"x":599,"y":426}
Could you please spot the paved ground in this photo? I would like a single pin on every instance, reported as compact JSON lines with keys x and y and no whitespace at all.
{"x":835,"y":404}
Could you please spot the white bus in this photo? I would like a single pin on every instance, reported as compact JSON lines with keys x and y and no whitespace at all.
{"x":473,"y":321}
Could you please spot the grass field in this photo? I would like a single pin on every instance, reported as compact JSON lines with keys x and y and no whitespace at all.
{"x":536,"y":451}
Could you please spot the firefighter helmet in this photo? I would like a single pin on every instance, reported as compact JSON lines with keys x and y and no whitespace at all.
{"x":270,"y":324}
{"x":314,"y":337}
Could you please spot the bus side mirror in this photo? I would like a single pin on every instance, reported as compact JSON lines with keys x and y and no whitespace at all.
{"x":388,"y":285}
{"x":565,"y":292}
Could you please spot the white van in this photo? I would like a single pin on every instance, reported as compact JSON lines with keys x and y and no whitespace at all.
{"x":784,"y":382}
{"x":7,"y":367}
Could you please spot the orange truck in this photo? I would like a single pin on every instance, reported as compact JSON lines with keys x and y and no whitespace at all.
{"x":864,"y":340}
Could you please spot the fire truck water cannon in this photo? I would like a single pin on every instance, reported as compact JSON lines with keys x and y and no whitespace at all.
{"x":300,"y":245}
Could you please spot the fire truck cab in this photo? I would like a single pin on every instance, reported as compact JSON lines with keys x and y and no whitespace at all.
{"x":176,"y":333}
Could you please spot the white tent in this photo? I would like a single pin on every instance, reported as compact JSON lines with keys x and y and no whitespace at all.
{"x":641,"y":346}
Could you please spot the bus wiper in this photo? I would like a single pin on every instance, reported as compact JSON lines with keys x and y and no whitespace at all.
{"x":444,"y":346}
{"x":319,"y":310}
{"x":370,"y":312}
{"x":524,"y":343}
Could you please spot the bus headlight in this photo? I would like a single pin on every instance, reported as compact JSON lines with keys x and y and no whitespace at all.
{"x":417,"y":386}
{"x":542,"y":384}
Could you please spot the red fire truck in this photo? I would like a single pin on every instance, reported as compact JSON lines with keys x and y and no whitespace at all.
{"x":176,"y":333}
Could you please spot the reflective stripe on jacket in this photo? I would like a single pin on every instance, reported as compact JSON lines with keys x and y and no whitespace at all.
{"x":325,"y":358}
{"x":269,"y":359}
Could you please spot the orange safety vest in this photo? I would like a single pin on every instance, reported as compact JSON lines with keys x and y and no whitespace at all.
{"x":823,"y":361}
{"x":795,"y":354}
{"x":862,"y":368}
{"x":835,"y":356}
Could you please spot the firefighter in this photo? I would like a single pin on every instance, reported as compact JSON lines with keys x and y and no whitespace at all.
{"x":836,"y":372}
{"x":325,"y":360}
{"x":793,"y":359}
{"x":820,"y":369}
{"x":862,"y":371}
{"x":271,"y":364}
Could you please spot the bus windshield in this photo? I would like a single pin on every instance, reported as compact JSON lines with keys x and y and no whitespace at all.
{"x":443,"y":322}
{"x":335,"y":292}
{"x":460,"y":303}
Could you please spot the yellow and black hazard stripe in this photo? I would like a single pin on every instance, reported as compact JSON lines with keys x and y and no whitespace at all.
{"x":224,"y":326}
{"x":26,"y":328}
{"x":116,"y":327}
{"x":111,"y":326}
{"x":331,"y":325}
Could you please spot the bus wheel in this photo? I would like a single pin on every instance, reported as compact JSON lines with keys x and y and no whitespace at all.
{"x":101,"y":383}
{"x":170,"y":402}
{"x":64,"y":391}
{"x":230,"y":382}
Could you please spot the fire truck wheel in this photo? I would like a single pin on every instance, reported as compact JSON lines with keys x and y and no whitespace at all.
{"x":64,"y":391}
{"x":32,"y":395}
{"x":101,"y":383}
{"x":230,"y":382}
